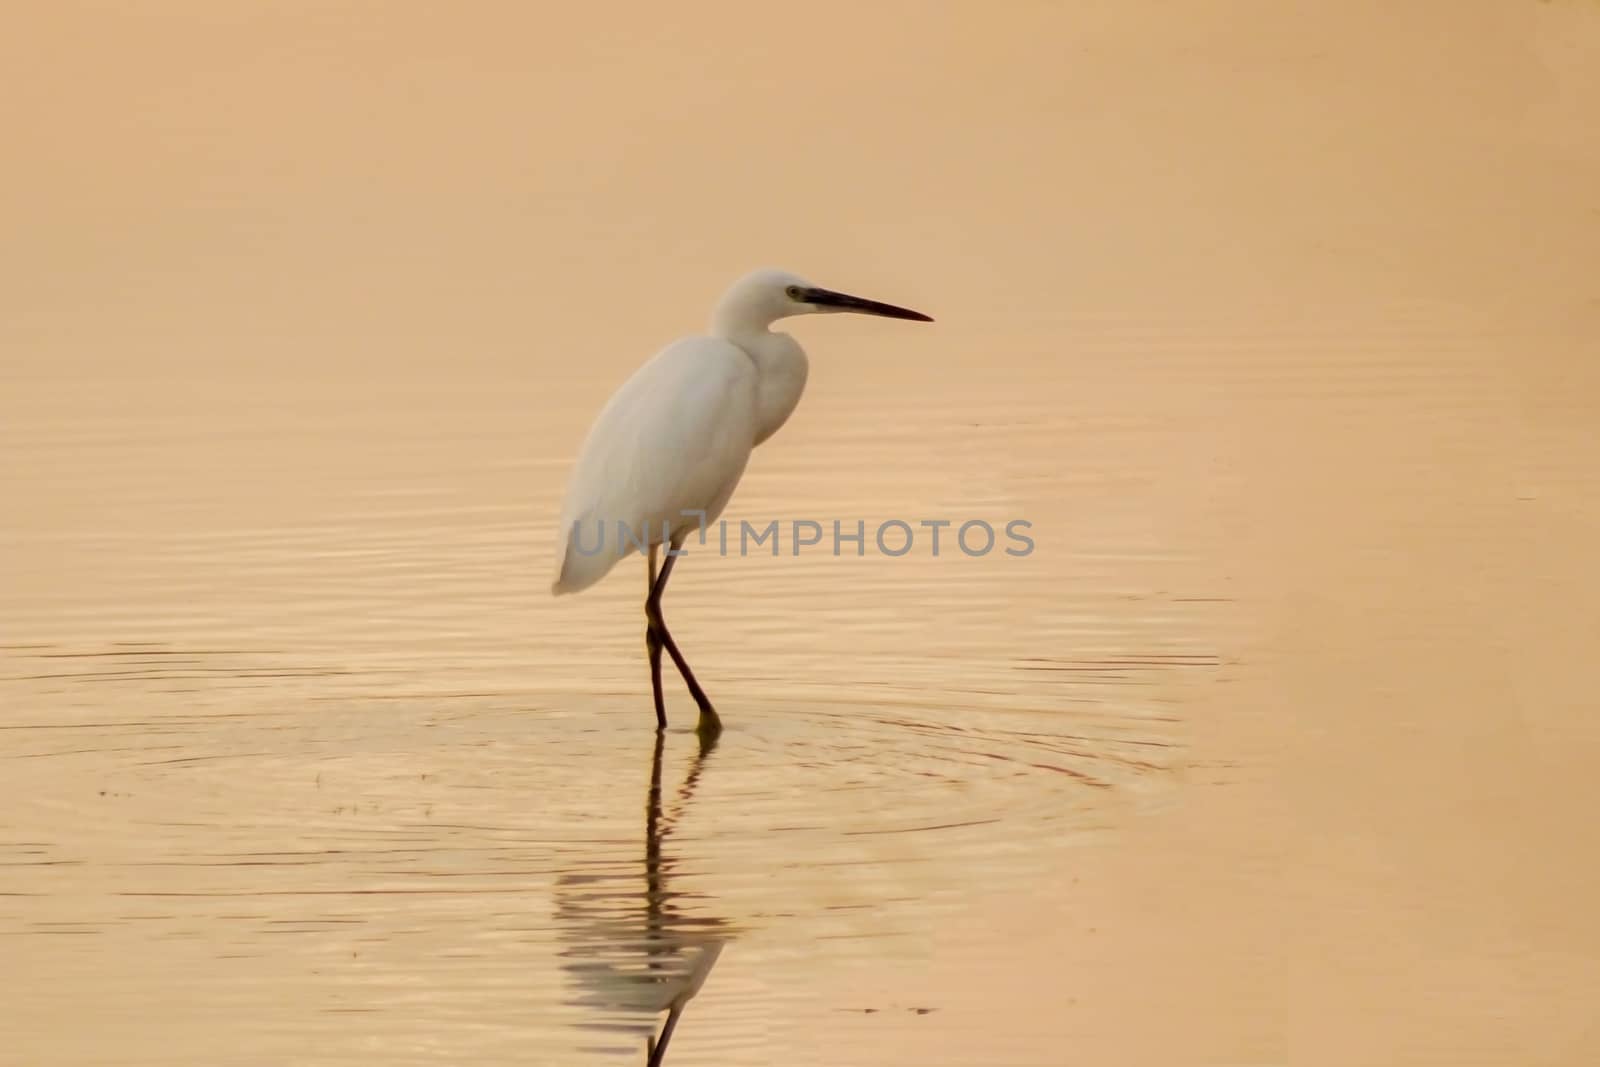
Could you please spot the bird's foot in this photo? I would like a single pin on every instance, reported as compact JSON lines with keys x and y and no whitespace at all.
{"x":710,"y":725}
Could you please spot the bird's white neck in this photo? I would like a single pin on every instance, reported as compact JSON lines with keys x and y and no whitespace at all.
{"x":781,"y":370}
{"x":740,"y":322}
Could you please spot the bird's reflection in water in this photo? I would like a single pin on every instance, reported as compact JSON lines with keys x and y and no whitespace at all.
{"x":631,"y":950}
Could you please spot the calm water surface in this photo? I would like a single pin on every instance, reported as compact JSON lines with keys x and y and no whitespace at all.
{"x":1278,"y":322}
{"x":304,"y":764}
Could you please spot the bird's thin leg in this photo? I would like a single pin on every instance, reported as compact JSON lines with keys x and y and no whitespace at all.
{"x":708,"y":715}
{"x":652,"y":646}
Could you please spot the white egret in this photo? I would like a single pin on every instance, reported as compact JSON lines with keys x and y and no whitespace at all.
{"x":667,"y":450}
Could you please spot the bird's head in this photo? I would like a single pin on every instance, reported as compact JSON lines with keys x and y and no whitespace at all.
{"x":764,"y":296}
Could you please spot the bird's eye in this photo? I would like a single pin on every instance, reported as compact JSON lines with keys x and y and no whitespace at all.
{"x":793,"y":292}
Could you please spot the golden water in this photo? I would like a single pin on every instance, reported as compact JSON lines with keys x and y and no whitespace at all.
{"x":1277,"y":325}
{"x":338,"y":754}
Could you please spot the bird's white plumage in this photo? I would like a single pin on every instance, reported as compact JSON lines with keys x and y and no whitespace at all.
{"x":672,"y":443}
{"x":674,"y":438}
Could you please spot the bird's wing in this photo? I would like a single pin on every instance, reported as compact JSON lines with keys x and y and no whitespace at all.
{"x":674,"y":438}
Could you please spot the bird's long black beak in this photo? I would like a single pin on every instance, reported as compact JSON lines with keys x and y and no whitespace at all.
{"x":827,"y":298}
